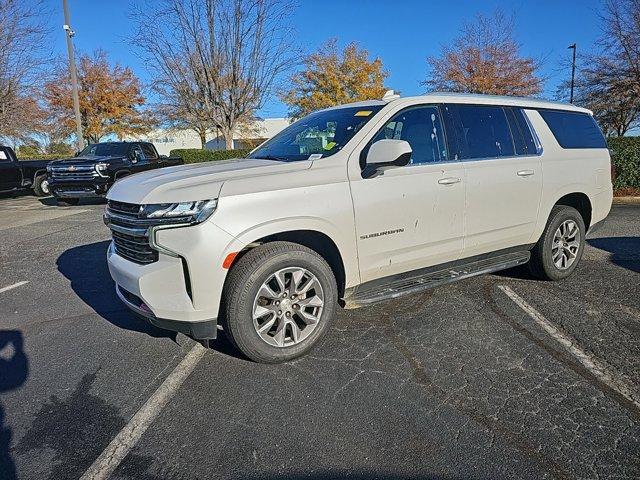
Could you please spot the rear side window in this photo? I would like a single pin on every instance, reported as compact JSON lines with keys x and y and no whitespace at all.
{"x":574,"y":129}
{"x":479,"y":131}
{"x":521,"y":131}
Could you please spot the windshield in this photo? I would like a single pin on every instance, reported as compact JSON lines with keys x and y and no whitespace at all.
{"x":318,"y":135}
{"x":105,"y":149}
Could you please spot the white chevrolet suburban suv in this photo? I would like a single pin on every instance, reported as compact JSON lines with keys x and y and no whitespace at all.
{"x":353,"y":205}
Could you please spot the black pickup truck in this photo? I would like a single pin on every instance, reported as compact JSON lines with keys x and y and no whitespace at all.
{"x":19,"y":175}
{"x":92,"y":172}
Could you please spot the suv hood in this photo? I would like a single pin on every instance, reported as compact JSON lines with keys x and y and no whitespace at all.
{"x":198,"y":181}
{"x":89,"y":160}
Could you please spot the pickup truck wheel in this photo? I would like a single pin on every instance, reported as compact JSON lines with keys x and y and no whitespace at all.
{"x":41,"y":186}
{"x":279,"y":301}
{"x":559,"y":250}
{"x":67,"y":201}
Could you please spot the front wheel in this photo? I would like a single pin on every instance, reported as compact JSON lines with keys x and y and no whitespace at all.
{"x":279,"y":301}
{"x":41,"y":186}
{"x":559,"y":250}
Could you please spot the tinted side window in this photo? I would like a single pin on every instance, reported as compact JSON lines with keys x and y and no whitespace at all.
{"x":574,"y":129}
{"x":521,"y":132}
{"x":149,"y":151}
{"x":420,"y":126}
{"x":4,"y":155}
{"x":481,"y":131}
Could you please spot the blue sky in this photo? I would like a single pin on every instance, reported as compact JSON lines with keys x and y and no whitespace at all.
{"x":401,"y":32}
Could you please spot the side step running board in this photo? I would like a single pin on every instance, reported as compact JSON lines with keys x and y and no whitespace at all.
{"x":365,"y":295}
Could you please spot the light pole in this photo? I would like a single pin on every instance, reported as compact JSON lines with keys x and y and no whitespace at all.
{"x":74,"y":77}
{"x":573,"y":70}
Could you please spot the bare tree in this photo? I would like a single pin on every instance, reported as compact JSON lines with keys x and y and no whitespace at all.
{"x":485,"y":58}
{"x":22,"y":41}
{"x":215,"y":62}
{"x":608,"y":80}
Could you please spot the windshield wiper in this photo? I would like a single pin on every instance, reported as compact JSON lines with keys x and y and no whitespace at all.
{"x":274,"y":157}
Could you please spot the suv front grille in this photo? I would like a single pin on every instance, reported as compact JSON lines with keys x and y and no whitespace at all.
{"x":129,"y":233}
{"x":134,"y":248}
{"x":81,"y":172}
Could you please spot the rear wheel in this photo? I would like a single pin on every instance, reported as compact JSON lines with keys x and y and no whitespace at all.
{"x":559,"y":250}
{"x":41,"y":186}
{"x":279,"y":301}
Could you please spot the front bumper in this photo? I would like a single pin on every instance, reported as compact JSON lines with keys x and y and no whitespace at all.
{"x":96,"y":187}
{"x":206,"y":329}
{"x":180,"y":291}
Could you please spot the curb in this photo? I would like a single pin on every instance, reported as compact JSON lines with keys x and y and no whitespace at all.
{"x":626,"y":200}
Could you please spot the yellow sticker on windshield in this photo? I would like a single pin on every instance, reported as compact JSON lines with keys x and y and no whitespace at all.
{"x":363,"y":113}
{"x":329,"y":145}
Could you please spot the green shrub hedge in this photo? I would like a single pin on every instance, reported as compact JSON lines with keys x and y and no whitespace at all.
{"x":626,"y":158}
{"x":43,"y":156}
{"x":196,"y":155}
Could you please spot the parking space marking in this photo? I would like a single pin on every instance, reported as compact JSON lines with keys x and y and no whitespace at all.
{"x":126,"y":439}
{"x":606,"y":375}
{"x":11,"y":287}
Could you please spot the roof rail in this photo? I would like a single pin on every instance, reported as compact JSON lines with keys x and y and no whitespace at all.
{"x":390,"y":96}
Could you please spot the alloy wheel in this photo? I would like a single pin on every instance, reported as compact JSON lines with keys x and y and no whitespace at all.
{"x":566,"y":244}
{"x":288,"y":307}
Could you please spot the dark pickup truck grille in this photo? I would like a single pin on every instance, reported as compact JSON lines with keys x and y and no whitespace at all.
{"x":130,"y":234}
{"x":81,"y":172}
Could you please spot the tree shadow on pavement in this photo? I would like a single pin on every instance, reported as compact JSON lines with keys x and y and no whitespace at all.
{"x":14,"y":370}
{"x":625,"y":251}
{"x":86,"y":268}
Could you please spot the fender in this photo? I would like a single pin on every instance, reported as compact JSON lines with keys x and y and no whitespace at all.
{"x":345,"y":243}
{"x":546,"y":206}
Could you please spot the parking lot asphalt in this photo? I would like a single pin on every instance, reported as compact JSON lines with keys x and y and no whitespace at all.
{"x":457,"y":382}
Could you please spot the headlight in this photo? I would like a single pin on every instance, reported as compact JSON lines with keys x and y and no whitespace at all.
{"x":101,"y":167}
{"x":191,"y":212}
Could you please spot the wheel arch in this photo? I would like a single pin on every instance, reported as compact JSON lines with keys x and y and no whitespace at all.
{"x":580,"y":201}
{"x":318,"y":241}
{"x":38,"y":173}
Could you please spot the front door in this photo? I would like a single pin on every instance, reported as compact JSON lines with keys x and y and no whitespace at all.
{"x":410,"y":217}
{"x":10,"y":175}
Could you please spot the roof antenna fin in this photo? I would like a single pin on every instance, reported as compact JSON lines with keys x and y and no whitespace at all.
{"x":390,"y":95}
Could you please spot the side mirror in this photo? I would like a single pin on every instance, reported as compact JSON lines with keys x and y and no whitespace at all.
{"x":387,"y":154}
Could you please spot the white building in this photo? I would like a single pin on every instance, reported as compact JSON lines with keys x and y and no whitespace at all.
{"x":166,"y":140}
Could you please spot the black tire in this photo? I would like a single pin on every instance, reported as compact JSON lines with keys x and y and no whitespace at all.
{"x":241,"y":288}
{"x":541,"y":264}
{"x":66,"y":202}
{"x":41,"y":186}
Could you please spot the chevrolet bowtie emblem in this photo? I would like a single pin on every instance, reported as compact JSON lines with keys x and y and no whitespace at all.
{"x":72,"y":168}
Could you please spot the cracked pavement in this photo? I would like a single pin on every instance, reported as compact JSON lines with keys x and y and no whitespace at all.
{"x":457,"y":382}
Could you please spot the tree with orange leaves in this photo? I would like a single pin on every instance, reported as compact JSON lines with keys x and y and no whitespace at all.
{"x":333,"y":78}
{"x":110,"y":100}
{"x":485,"y":58}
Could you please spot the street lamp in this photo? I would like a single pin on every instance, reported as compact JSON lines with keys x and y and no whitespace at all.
{"x":573,"y":70}
{"x":74,"y":77}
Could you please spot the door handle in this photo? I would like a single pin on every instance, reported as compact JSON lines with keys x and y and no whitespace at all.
{"x":525,"y":173}
{"x":449,"y":180}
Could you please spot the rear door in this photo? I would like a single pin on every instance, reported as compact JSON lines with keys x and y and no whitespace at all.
{"x":410,"y":217}
{"x":10,"y":174}
{"x":503,"y":175}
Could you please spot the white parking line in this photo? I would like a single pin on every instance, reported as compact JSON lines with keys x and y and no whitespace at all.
{"x":120,"y":446}
{"x":606,"y":375}
{"x":11,"y":287}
